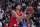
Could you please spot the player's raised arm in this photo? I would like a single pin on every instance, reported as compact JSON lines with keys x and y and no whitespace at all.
{"x":31,"y":11}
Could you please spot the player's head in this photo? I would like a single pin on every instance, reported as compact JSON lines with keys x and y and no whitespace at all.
{"x":18,"y":6}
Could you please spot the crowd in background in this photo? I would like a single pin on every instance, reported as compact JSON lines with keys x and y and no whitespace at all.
{"x":7,"y":6}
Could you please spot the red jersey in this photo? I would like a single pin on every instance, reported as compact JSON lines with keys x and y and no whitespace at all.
{"x":13,"y":21}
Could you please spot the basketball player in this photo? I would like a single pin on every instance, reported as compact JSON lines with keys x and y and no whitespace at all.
{"x":17,"y":15}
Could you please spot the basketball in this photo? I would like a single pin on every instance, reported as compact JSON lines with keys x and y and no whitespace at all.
{"x":30,"y":10}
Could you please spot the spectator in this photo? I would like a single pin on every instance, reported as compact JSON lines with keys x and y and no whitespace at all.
{"x":39,"y":19}
{"x":35,"y":3}
{"x":1,"y":16}
{"x":3,"y":23}
{"x":29,"y":6}
{"x":13,"y":6}
{"x":31,"y":21}
{"x":39,"y":22}
{"x":8,"y":19}
{"x":24,"y":5}
{"x":33,"y":25}
{"x":26,"y":2}
{"x":39,"y":10}
{"x":6,"y":25}
{"x":0,"y":24}
{"x":34,"y":20}
{"x":28,"y":25}
{"x":38,"y":3}
{"x":20,"y":24}
{"x":24,"y":23}
{"x":2,"y":10}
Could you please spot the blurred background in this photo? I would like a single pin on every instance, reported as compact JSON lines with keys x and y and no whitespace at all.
{"x":6,"y":6}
